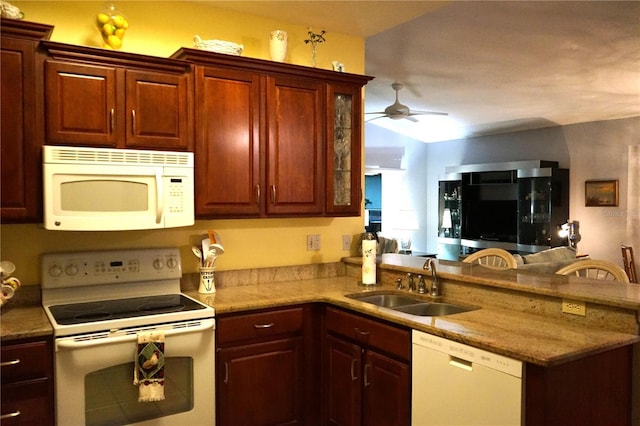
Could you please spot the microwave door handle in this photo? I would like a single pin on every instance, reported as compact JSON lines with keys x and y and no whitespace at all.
{"x":159,"y":196}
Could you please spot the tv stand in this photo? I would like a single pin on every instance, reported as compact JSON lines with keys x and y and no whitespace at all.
{"x":516,"y":206}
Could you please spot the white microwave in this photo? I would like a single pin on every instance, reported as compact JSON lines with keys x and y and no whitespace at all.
{"x":102,"y":189}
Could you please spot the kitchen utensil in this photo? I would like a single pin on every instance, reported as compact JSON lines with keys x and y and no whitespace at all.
{"x":198,"y":253}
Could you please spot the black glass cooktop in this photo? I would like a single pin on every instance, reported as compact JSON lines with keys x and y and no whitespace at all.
{"x":103,"y":310}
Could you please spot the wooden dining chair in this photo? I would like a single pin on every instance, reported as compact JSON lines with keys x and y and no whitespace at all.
{"x":494,"y":258}
{"x":595,"y":269}
{"x":629,"y":263}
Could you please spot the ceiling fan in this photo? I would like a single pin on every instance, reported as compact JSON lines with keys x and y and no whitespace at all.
{"x":397,"y":111}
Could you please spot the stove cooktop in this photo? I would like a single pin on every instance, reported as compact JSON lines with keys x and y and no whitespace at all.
{"x":94,"y":292}
{"x":88,"y":312}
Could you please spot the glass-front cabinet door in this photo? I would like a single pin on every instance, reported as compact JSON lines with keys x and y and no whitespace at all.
{"x":344,"y":145}
{"x":449,"y":216}
{"x":542,"y":206}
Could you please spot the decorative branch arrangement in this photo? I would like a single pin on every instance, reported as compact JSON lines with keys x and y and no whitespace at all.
{"x":315,"y":39}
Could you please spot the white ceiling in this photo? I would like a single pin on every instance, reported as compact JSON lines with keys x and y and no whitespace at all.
{"x":494,"y":66}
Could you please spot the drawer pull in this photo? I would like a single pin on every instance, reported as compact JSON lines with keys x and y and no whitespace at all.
{"x":366,"y":375}
{"x":258,"y":326}
{"x":7,"y":363}
{"x":360,"y":332}
{"x":10,"y":415}
{"x":354,"y":376}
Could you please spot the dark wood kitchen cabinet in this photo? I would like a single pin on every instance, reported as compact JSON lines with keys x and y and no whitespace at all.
{"x":265,"y":369}
{"x":366,"y":373}
{"x":27,"y":382}
{"x":22,"y":120}
{"x":101,"y":98}
{"x":270,"y":125}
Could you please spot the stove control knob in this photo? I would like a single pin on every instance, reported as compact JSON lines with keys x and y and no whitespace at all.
{"x":158,"y":264}
{"x":71,"y":269}
{"x":172,"y":263}
{"x":55,"y":270}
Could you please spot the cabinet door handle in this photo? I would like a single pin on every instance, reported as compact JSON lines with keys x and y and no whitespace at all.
{"x":366,"y":375}
{"x":112,"y":120}
{"x":226,"y":373}
{"x":133,"y":122}
{"x":273,"y":194}
{"x":258,"y":194}
{"x":12,"y":362}
{"x":354,"y":376}
{"x":263,"y":325}
{"x":10,"y":415}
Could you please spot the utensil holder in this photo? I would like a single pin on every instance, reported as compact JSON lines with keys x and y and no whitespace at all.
{"x":207,"y":280}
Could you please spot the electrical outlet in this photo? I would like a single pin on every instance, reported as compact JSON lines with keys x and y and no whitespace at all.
{"x":574,"y":307}
{"x":313,"y":242}
{"x":346,"y":242}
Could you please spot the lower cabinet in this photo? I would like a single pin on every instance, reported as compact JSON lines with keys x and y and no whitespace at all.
{"x":366,"y":373}
{"x":27,"y":383}
{"x":264,"y":370}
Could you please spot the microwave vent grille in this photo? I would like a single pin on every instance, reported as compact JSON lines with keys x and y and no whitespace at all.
{"x":71,"y":155}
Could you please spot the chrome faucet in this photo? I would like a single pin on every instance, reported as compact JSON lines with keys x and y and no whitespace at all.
{"x":435,"y":285}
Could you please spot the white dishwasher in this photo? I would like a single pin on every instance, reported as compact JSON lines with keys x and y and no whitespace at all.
{"x":456,"y":384}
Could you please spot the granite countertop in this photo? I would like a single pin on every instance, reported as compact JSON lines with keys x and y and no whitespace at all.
{"x":20,"y":321}
{"x":527,"y":337}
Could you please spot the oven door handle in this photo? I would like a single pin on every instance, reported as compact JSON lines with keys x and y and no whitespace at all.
{"x":78,"y":344}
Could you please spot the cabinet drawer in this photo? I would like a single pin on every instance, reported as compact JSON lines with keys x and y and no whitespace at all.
{"x":260,"y":325}
{"x":365,"y":331}
{"x":27,"y":403}
{"x":26,"y":361}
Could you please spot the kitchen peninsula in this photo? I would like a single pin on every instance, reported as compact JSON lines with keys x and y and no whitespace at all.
{"x":520,"y":316}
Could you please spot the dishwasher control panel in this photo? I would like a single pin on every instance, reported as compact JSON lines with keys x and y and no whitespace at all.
{"x":468,"y":354}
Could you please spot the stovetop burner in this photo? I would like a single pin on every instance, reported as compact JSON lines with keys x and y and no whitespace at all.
{"x":87,"y":312}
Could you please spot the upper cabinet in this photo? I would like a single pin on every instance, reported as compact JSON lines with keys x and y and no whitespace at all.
{"x":22,"y":118}
{"x":275,"y":139}
{"x":96,"y":97}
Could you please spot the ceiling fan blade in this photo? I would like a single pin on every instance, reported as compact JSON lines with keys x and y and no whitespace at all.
{"x":408,"y":117}
{"x":374,"y":118}
{"x":379,"y":112}
{"x":427,"y":113}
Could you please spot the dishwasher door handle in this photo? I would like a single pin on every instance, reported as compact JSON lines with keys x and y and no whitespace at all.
{"x":460,"y":363}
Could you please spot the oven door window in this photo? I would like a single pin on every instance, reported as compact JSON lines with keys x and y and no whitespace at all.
{"x":112,"y":399}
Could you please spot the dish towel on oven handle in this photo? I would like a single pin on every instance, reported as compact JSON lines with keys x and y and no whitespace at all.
{"x":149,"y":366}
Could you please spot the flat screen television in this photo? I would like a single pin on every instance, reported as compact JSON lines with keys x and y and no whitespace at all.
{"x":491,"y":220}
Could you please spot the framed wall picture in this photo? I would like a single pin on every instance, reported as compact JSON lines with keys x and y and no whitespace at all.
{"x":601,"y":193}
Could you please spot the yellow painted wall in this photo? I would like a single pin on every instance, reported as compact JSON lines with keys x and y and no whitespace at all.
{"x":160,"y":28}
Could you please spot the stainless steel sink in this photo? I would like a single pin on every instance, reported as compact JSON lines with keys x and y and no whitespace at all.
{"x":409,"y":304}
{"x":385,"y":300}
{"x":432,"y":309}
